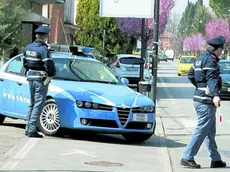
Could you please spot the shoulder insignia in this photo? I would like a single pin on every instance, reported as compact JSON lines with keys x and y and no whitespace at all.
{"x":198,"y":63}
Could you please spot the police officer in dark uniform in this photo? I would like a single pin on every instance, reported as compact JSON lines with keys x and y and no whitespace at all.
{"x":205,"y":76}
{"x":39,"y":66}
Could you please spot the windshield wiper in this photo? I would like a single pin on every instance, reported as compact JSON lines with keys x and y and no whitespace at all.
{"x":99,"y":81}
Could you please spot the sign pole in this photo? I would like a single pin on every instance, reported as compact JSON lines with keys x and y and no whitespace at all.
{"x":155,"y":47}
{"x":142,"y":49}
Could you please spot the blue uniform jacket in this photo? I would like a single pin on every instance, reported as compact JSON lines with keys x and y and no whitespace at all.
{"x":37,"y":58}
{"x":205,"y":76}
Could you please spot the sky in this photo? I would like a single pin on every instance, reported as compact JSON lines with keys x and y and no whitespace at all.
{"x":180,"y":5}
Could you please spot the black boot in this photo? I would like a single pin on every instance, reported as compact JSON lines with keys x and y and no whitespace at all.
{"x":35,"y":135}
{"x":189,"y":163}
{"x":218,"y":164}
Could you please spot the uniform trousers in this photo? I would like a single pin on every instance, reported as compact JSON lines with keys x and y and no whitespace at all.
{"x":38,"y":93}
{"x":206,"y":130}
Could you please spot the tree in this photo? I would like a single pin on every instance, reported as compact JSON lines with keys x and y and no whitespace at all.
{"x":220,"y":7}
{"x":201,"y":18}
{"x":11,"y":14}
{"x":194,"y":19}
{"x":194,"y":43}
{"x":173,"y":22}
{"x":132,"y":26}
{"x":92,"y":27}
{"x":218,"y":27}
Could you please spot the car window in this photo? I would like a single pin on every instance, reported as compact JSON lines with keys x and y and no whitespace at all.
{"x":187,"y":60}
{"x":224,"y":67}
{"x":130,"y":60}
{"x":91,"y":71}
{"x":15,"y":66}
{"x":63,"y":71}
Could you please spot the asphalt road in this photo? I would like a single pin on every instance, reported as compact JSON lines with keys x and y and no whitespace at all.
{"x":176,"y":120}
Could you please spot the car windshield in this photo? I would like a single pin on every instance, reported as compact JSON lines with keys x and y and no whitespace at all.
{"x":90,"y":71}
{"x":84,"y":71}
{"x":224,"y":67}
{"x":130,"y":60}
{"x":187,"y":60}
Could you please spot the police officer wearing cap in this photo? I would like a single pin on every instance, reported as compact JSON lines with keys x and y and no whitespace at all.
{"x":205,"y":76}
{"x":39,"y":65}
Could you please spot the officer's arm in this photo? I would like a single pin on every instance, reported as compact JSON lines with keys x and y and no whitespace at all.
{"x":191,"y":75}
{"x":212,"y":76}
{"x":48,"y":62}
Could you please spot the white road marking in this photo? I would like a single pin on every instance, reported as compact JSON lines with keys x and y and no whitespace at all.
{"x":189,"y":123}
{"x":21,"y":154}
{"x":82,"y":152}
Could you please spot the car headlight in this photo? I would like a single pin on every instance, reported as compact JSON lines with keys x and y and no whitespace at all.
{"x":148,"y":109}
{"x":88,"y":104}
{"x":80,"y":104}
{"x":95,"y":105}
{"x":84,"y":104}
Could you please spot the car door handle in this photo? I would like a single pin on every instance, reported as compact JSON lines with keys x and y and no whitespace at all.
{"x":19,"y":83}
{"x":1,"y":79}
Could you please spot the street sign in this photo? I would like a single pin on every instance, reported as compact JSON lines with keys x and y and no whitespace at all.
{"x":127,"y":8}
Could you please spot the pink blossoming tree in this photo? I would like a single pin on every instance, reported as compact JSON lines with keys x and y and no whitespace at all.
{"x":218,"y":27}
{"x":194,"y":43}
{"x":132,"y":26}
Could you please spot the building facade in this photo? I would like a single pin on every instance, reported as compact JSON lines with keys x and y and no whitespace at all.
{"x":59,"y":15}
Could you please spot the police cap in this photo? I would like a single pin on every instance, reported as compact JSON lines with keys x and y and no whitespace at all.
{"x":42,"y":30}
{"x":217,"y":42}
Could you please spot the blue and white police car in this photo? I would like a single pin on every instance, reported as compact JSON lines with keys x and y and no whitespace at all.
{"x":84,"y":95}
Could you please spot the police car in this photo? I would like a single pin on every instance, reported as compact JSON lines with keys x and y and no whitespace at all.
{"x":84,"y":95}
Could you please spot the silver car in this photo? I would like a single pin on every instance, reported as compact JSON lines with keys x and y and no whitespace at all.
{"x":128,"y":66}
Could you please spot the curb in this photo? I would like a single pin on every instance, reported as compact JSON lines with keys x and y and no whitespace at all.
{"x":166,"y":161}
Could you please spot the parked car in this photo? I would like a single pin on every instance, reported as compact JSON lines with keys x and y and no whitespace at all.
{"x":128,"y":66}
{"x":84,"y":95}
{"x":184,"y":64}
{"x":225,"y":76}
{"x":163,"y":57}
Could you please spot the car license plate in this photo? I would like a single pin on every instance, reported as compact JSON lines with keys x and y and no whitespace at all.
{"x":228,"y":89}
{"x":131,"y":69}
{"x":140,"y":117}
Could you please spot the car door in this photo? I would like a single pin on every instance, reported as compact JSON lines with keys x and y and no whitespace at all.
{"x":12,"y":95}
{"x":22,"y":94}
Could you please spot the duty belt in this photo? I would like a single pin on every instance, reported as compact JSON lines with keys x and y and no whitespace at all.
{"x":36,"y":74}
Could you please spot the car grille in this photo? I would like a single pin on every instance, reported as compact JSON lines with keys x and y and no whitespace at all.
{"x":136,"y":110}
{"x":105,"y":107}
{"x":136,"y":125}
{"x":103,"y":123}
{"x":123,"y":114}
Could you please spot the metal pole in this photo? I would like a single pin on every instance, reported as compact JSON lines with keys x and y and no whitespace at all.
{"x":155,"y":47}
{"x":142,"y":49}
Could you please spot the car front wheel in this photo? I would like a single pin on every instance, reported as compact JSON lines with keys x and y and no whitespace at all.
{"x":136,"y":137}
{"x":2,"y":118}
{"x":49,"y":119}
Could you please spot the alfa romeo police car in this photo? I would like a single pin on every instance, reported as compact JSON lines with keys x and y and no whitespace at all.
{"x":84,"y":95}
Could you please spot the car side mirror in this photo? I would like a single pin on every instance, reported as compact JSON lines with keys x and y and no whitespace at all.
{"x":125,"y":81}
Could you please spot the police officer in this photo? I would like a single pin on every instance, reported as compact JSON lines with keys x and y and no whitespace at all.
{"x":205,"y":76}
{"x":39,"y":66}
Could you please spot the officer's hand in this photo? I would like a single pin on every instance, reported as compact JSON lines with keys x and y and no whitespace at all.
{"x":216,"y":101}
